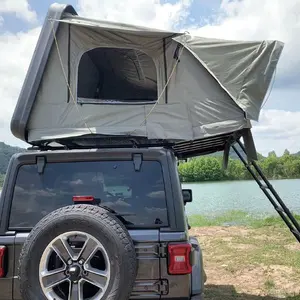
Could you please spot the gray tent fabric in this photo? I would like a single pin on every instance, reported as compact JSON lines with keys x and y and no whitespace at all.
{"x":243,"y":69}
{"x":112,"y":26}
{"x":117,"y":79}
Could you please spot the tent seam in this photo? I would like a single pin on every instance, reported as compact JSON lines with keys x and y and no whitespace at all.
{"x":163,"y":90}
{"x":66,"y":78}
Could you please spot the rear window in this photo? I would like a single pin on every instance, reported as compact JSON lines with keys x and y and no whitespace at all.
{"x":138,"y":196}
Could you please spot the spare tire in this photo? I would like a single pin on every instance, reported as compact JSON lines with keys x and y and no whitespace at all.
{"x":78,"y":252}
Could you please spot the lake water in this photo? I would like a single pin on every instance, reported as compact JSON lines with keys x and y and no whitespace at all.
{"x":215,"y":198}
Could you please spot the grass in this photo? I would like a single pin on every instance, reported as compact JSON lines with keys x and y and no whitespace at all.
{"x":237,"y":217}
{"x":254,"y":258}
{"x":269,"y":284}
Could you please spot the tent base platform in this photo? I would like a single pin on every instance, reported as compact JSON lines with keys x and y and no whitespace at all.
{"x":182,"y":150}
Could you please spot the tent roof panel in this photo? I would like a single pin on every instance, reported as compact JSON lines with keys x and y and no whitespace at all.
{"x":114,"y":26}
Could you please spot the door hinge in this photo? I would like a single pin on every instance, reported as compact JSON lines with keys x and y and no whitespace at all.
{"x":162,"y":250}
{"x":164,"y":287}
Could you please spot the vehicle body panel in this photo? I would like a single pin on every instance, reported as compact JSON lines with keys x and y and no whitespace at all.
{"x":153,"y":280}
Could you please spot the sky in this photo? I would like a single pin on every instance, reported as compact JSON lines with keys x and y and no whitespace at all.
{"x":279,"y":124}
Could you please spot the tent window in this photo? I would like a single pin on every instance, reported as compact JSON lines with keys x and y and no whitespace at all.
{"x":116,"y":75}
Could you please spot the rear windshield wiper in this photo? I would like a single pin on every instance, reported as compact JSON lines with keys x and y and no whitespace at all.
{"x":118,"y":215}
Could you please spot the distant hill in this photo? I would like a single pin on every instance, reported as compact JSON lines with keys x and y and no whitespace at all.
{"x":6,"y":153}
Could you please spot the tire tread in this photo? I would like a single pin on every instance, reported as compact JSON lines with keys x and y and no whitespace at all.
{"x":87,"y":213}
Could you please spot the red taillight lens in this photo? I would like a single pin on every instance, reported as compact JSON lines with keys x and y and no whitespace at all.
{"x":179,"y":259}
{"x":2,"y":261}
{"x":83,"y":198}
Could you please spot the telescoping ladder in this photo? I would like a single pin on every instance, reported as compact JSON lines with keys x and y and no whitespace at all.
{"x":270,"y":192}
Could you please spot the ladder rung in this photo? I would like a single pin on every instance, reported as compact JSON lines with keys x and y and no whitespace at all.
{"x":279,"y":209}
{"x":264,"y":187}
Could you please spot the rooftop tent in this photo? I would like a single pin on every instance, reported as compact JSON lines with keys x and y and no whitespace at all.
{"x":97,"y":78}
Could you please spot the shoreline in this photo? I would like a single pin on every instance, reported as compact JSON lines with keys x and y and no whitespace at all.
{"x":235,"y":180}
{"x":239,"y":218}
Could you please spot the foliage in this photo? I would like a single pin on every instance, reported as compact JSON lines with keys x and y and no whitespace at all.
{"x":6,"y":152}
{"x":210,"y":168}
{"x":1,"y":179}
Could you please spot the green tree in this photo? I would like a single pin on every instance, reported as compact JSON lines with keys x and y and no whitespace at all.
{"x":6,"y":153}
{"x":209,"y":168}
{"x":2,"y":177}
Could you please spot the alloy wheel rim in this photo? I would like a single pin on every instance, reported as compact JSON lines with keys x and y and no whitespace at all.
{"x":74,"y":266}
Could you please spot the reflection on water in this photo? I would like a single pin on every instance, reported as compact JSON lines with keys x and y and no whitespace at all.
{"x":215,"y":198}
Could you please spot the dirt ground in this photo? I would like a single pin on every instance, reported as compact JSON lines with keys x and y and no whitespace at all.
{"x":250,"y":264}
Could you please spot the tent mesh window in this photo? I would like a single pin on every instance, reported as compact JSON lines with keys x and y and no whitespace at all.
{"x":116,"y":75}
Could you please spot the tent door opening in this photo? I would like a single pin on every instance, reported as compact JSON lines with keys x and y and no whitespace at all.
{"x":116,"y":75}
{"x":269,"y":191}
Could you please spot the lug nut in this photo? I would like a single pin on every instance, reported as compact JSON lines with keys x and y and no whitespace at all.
{"x":81,"y":261}
{"x":69,"y":262}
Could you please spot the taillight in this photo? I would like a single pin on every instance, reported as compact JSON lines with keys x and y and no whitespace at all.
{"x":2,"y":261}
{"x":83,"y":199}
{"x":179,"y":259}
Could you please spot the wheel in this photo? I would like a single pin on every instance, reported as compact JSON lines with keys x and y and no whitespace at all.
{"x":75,"y":253}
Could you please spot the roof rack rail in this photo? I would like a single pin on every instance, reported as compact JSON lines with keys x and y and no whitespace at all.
{"x":100,"y":142}
{"x":182,"y":150}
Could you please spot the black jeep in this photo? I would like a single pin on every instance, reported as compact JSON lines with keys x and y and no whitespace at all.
{"x":97,"y":224}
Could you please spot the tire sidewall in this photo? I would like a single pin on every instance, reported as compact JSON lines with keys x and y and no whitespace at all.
{"x":39,"y":240}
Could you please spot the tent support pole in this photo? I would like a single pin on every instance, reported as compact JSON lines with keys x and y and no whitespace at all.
{"x":166,"y":70}
{"x":69,"y":60}
{"x":270,"y":192}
